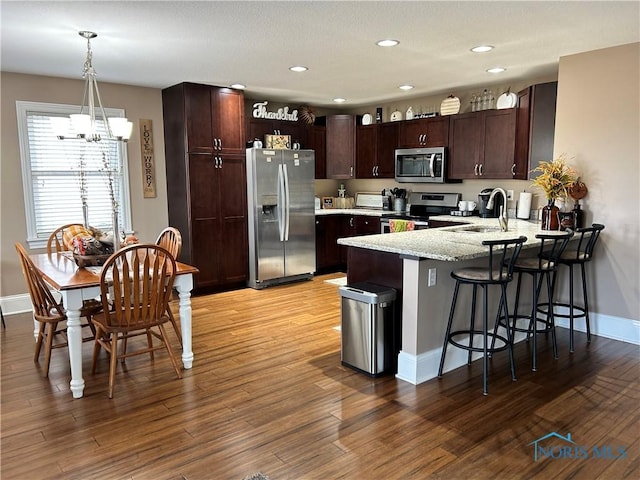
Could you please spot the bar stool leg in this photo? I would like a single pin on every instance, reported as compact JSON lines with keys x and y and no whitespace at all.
{"x":485,"y":358}
{"x":534,"y":317}
{"x":472,"y":321}
{"x":585,"y":296}
{"x":570,"y":308}
{"x":551,"y":323}
{"x":448,"y":332}
{"x":503,"y":305}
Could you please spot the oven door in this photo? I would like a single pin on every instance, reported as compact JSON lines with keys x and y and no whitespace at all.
{"x":386,"y":228}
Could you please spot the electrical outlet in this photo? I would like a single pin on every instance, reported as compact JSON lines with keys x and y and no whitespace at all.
{"x":432,"y":277}
{"x":509,"y":194}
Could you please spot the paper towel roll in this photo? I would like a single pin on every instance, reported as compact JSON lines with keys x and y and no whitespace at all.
{"x":524,"y":205}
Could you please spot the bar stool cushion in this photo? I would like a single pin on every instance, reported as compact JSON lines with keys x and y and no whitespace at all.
{"x":481,"y":274}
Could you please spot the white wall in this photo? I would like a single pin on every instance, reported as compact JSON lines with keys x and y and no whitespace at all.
{"x":598,"y":123}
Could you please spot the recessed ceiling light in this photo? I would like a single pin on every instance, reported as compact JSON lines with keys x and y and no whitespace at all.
{"x":387,"y":43}
{"x":405,"y":87}
{"x":298,"y":68}
{"x":238,"y":86}
{"x":482,"y":48}
{"x":339,"y":100}
{"x":496,"y":70}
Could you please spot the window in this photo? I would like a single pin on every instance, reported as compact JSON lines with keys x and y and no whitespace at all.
{"x":52,"y":170}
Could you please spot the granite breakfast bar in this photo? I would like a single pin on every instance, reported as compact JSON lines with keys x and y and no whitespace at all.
{"x":418,"y":264}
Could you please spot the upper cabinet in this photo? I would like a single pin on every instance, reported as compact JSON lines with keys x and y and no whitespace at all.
{"x":316,"y":139}
{"x":424,"y":132}
{"x":375,"y":150}
{"x":341,"y":146}
{"x":214,"y":119}
{"x":482,"y":145}
{"x":535,"y":126}
{"x":259,"y":127}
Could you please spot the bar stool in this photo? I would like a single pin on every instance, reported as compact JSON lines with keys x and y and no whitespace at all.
{"x":540,"y":268}
{"x":502,"y":257}
{"x":571,"y":257}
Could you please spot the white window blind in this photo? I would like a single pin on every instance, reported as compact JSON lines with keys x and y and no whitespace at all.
{"x":54,"y":170}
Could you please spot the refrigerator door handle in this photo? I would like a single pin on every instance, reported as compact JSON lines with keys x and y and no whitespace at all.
{"x":287,"y":203}
{"x":281,"y":200}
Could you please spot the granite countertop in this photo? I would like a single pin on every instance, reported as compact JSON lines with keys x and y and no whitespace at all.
{"x":452,"y":244}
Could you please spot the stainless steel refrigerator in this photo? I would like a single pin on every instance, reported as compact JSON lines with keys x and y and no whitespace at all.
{"x":280,"y":197}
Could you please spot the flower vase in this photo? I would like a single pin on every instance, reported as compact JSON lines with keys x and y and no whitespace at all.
{"x":550,"y":216}
{"x":116,"y":232}
{"x":85,"y":215}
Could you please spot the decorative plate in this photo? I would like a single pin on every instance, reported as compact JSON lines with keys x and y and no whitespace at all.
{"x":450,"y":105}
{"x":367,"y":119}
{"x":395,"y":116}
{"x":507,"y":100}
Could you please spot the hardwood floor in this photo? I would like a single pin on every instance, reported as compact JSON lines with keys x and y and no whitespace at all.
{"x":268,"y":393}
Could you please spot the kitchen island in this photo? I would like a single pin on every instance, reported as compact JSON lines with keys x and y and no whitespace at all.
{"x":419,"y":264}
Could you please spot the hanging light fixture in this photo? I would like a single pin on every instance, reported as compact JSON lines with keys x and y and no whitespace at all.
{"x":83,"y":125}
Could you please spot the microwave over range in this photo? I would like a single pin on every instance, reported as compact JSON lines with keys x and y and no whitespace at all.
{"x":421,"y":165}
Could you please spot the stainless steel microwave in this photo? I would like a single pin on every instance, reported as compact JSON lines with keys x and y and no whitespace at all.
{"x":421,"y":165}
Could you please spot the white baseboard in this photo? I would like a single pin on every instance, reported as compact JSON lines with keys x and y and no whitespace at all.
{"x":418,"y":369}
{"x":14,"y":304}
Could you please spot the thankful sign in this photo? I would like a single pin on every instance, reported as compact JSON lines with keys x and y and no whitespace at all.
{"x":260,"y":111}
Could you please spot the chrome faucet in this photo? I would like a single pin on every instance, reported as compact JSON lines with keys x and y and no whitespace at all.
{"x":503,"y":215}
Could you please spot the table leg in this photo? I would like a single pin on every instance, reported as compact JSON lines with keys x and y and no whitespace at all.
{"x":184,"y":285}
{"x":72,"y":300}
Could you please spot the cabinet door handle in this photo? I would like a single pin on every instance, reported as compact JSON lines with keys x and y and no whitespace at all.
{"x":480,"y":169}
{"x":424,"y":139}
{"x":351,"y":171}
{"x":220,"y":160}
{"x":513,"y":170}
{"x":351,"y":222}
{"x":475,"y":170}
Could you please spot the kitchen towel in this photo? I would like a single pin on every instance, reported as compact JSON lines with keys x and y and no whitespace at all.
{"x":524,"y":205}
{"x":401,"y":225}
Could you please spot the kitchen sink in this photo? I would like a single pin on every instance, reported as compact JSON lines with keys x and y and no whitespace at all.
{"x":478,"y":229}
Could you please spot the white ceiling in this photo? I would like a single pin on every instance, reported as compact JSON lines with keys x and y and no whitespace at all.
{"x":161,"y":43}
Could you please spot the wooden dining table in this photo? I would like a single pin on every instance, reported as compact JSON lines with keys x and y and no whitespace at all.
{"x":77,"y":284}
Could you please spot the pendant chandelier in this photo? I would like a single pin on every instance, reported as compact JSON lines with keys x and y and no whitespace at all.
{"x":83,"y":124}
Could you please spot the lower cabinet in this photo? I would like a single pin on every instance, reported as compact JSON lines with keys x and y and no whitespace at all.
{"x":331,"y":257}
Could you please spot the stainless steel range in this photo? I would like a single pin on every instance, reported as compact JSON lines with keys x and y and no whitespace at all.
{"x":423,"y":205}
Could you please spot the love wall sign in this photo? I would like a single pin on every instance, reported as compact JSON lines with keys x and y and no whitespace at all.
{"x":148,"y":159}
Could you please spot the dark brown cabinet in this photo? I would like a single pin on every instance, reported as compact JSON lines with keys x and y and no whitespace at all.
{"x":375,"y":150}
{"x":482,"y":145}
{"x":259,"y":127}
{"x":206,"y":180}
{"x":341,"y":146}
{"x":330,"y":256}
{"x":424,"y":132}
{"x":535,"y":126}
{"x":316,"y":139}
{"x":328,"y":230}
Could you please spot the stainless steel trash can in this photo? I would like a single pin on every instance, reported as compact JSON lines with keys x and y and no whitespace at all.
{"x":368,"y":327}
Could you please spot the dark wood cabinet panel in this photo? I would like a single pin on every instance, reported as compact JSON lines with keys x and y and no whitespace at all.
{"x":535,"y":127}
{"x":366,"y":147}
{"x":330,"y":256}
{"x":424,"y":132}
{"x":499,"y":144}
{"x":328,"y":230}
{"x":341,"y":146}
{"x":375,"y":150}
{"x":482,"y":145}
{"x":206,"y":182}
{"x":259,"y":127}
{"x":316,"y":139}
{"x":464,"y":145}
{"x":227,"y":107}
